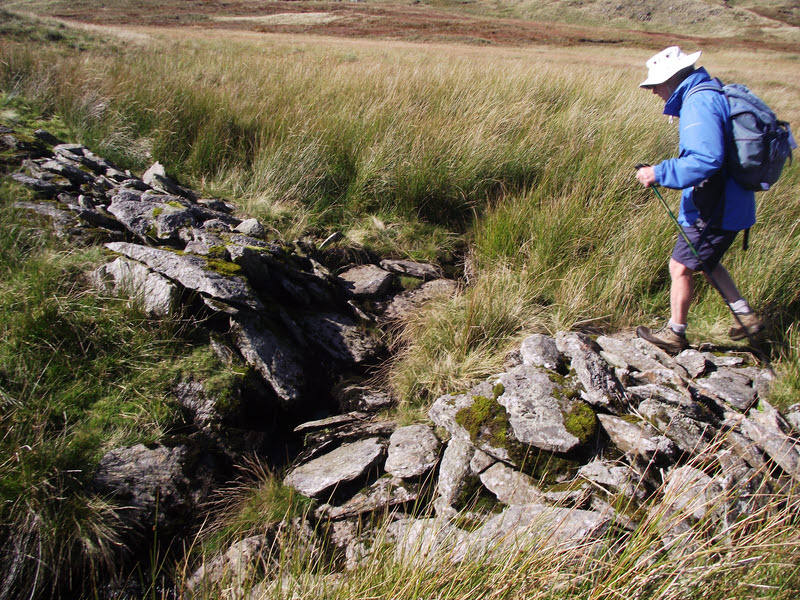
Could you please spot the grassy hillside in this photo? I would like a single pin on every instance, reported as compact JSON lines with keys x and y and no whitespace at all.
{"x":513,"y":165}
{"x":752,"y":23}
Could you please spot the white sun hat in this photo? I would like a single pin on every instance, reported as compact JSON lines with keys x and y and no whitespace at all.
{"x":666,"y":63}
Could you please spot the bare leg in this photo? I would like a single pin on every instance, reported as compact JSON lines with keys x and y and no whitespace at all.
{"x":681,"y":291}
{"x":725,"y":284}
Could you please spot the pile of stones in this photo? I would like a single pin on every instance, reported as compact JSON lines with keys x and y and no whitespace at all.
{"x":541,"y":453}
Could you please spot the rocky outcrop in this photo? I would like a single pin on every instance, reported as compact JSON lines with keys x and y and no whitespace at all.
{"x":542,"y":453}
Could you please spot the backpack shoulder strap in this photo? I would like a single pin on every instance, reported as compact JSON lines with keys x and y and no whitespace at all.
{"x":713,"y":85}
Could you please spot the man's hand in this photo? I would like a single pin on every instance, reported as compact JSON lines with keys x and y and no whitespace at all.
{"x":646,"y":176}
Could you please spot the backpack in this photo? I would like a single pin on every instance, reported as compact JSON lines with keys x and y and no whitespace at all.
{"x":758,"y":142}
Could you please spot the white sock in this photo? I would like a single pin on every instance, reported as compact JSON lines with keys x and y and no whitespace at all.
{"x":679,"y":329}
{"x":741,"y":307}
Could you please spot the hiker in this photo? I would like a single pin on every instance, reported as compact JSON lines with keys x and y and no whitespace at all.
{"x":714,"y":207}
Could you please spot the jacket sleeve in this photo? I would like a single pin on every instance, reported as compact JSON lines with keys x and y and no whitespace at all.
{"x":702,"y":142}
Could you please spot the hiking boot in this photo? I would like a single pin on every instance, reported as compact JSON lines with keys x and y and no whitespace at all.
{"x":752,"y":326}
{"x":665,"y":338}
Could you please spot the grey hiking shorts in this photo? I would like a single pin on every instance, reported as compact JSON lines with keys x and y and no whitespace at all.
{"x":711,"y":244}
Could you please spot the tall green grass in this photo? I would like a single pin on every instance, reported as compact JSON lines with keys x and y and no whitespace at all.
{"x":524,"y":156}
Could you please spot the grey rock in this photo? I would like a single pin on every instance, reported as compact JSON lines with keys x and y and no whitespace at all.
{"x":156,"y":177}
{"x":536,"y":416}
{"x":71,"y":151}
{"x":638,"y":439}
{"x":443,"y":414}
{"x":601,"y":386}
{"x":331,"y":421}
{"x":62,"y":220}
{"x":46,"y":137}
{"x":793,"y":416}
{"x":691,"y":492}
{"x":98,"y":218}
{"x":152,"y":486}
{"x":236,"y":567}
{"x":192,"y":272}
{"x":366,"y":281}
{"x":206,"y":243}
{"x":251,"y":228}
{"x":480,"y":462}
{"x":413,"y":451}
{"x":531,"y":526}
{"x":418,"y":542}
{"x":75,"y":175}
{"x":155,"y":293}
{"x":510,"y":486}
{"x":408,"y":302}
{"x":415,"y":269}
{"x":654,"y":352}
{"x":454,"y":471}
{"x":614,"y":478}
{"x":217,"y":225}
{"x":276,"y":361}
{"x":724,"y":360}
{"x":362,"y":398}
{"x":252,"y":262}
{"x":40,"y":186}
{"x":343,"y":465}
{"x":691,"y":436}
{"x":725,"y":385}
{"x":136,"y":215}
{"x":693,"y":361}
{"x":339,"y":337}
{"x":384,"y":494}
{"x":539,"y":350}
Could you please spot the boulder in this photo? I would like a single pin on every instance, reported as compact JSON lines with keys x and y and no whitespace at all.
{"x":540,"y":414}
{"x":194,"y":273}
{"x":413,"y":451}
{"x":155,"y":486}
{"x":730,"y":387}
{"x":276,"y":361}
{"x":522,"y":528}
{"x":639,"y":439}
{"x":623,"y":352}
{"x":251,"y":228}
{"x":343,"y":465}
{"x":366,"y":281}
{"x":600,"y":384}
{"x":539,"y":350}
{"x":382,"y":495}
{"x":155,"y":293}
{"x":408,"y":302}
{"x":362,"y":398}
{"x":510,"y":486}
{"x":339,"y":337}
{"x":454,"y":471}
{"x":414,"y":269}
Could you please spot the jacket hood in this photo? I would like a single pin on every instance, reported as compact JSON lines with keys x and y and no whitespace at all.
{"x":675,"y":102}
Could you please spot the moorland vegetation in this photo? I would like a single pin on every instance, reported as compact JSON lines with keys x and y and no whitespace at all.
{"x":512,"y":165}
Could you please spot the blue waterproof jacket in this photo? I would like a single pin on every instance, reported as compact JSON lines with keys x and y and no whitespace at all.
{"x":704,"y":118}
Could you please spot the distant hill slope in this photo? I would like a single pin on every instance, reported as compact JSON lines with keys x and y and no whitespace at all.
{"x":697,"y":17}
{"x":752,"y":23}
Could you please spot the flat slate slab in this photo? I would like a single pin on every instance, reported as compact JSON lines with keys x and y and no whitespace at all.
{"x":347,"y":463}
{"x":192,"y":272}
{"x":366,"y":281}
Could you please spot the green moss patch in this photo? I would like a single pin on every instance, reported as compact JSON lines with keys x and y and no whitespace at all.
{"x":581,"y":421}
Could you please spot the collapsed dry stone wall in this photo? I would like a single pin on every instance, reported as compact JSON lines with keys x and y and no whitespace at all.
{"x":540,"y":453}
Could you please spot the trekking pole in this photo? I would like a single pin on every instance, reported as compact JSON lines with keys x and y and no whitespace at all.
{"x":705,"y":268}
